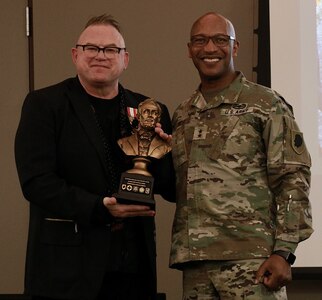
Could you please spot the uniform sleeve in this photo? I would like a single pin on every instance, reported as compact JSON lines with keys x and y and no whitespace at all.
{"x":288,"y":167}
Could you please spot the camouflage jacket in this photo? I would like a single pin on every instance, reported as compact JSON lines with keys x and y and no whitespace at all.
{"x":243,"y":176}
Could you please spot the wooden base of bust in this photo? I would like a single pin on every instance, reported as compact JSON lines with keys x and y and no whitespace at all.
{"x":136,"y":185}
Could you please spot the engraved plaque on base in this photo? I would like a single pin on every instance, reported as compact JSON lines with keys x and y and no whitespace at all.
{"x":136,"y":185}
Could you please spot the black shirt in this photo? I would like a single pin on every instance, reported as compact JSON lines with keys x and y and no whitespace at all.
{"x":127,"y":245}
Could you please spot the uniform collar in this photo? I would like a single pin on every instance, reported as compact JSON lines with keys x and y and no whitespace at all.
{"x":230,"y":94}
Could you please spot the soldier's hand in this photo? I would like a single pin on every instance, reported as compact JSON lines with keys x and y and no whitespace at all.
{"x":274,"y":273}
{"x":118,"y":210}
{"x":162,"y":134}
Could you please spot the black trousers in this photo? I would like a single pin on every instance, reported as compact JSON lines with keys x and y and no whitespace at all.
{"x":120,"y":286}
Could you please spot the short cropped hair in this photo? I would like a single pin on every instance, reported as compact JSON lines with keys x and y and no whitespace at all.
{"x":104,"y":20}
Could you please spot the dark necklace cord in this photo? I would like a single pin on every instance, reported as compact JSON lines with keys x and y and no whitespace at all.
{"x":125,"y":130}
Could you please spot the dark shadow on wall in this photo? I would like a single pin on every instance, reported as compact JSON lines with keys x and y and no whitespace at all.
{"x":263,"y":68}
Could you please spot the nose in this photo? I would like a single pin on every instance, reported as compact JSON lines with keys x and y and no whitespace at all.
{"x":210,"y":46}
{"x":99,"y":55}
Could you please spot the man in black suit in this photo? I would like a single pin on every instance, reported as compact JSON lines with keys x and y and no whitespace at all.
{"x":82,"y":244}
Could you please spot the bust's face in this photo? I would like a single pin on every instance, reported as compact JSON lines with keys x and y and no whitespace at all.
{"x":149,"y":115}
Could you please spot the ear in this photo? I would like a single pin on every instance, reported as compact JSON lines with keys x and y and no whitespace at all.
{"x":235,"y":48}
{"x":126,"y":60}
{"x":74,"y":54}
{"x":189,"y":50}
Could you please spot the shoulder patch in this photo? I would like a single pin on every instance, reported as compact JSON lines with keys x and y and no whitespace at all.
{"x":297,"y":142}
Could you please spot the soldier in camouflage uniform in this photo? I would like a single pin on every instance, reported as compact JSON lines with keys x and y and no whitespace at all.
{"x":243,"y":178}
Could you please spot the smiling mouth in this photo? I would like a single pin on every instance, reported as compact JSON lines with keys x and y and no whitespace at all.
{"x":99,"y":66}
{"x":211,"y":60}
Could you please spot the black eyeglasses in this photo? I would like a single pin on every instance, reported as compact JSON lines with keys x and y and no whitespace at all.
{"x":92,"y":50}
{"x":220,"y":40}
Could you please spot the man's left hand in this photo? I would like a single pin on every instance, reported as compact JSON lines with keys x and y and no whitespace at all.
{"x":274,"y":272}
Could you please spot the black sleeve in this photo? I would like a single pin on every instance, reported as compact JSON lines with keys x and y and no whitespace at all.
{"x":37,"y":160}
{"x":101,"y":215}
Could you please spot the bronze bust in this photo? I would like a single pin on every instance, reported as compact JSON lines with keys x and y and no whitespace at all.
{"x":144,"y":141}
{"x":136,"y":185}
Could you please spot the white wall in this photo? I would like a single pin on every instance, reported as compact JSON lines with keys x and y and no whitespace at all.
{"x":294,"y":70}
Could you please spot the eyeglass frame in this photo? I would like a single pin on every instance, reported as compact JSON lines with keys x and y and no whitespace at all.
{"x":212,"y":38}
{"x":99,"y":49}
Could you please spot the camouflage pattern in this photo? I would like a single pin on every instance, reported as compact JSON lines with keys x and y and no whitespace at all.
{"x":243,"y":176}
{"x":226,"y":280}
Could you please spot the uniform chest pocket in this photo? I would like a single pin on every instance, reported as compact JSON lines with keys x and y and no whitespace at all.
{"x":219,"y":137}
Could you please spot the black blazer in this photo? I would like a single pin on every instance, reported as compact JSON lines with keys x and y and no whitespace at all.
{"x":61,"y":166}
